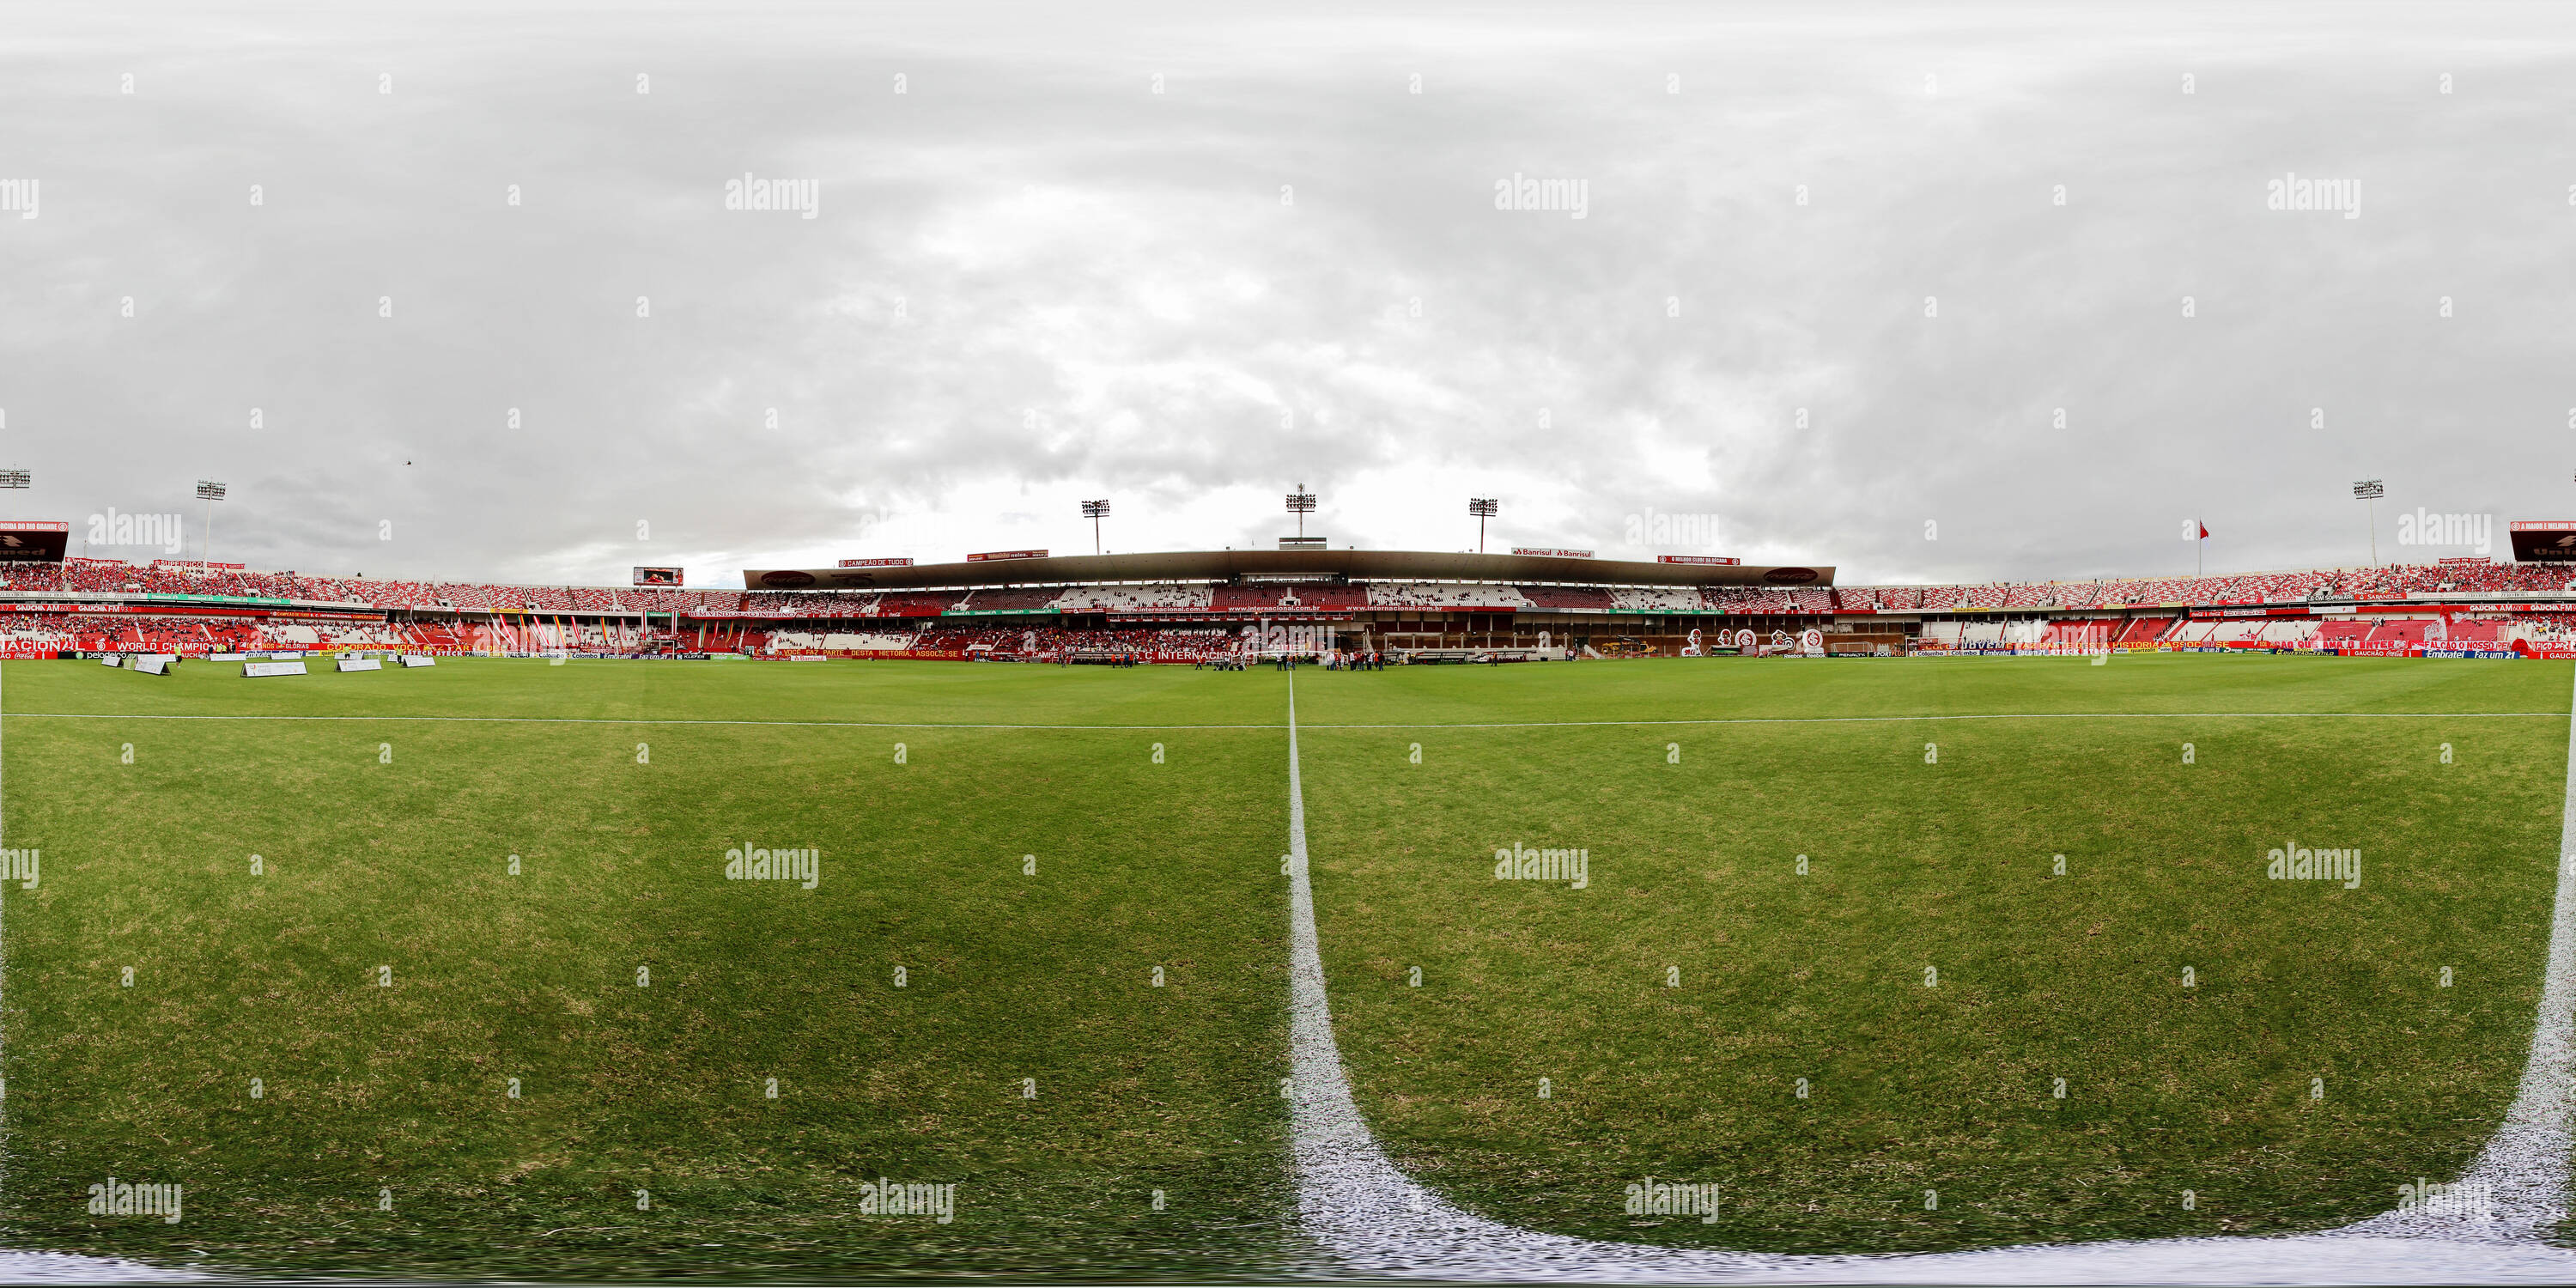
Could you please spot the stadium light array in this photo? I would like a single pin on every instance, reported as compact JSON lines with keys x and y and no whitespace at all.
{"x":1095,"y":511}
{"x":210,"y":492}
{"x":2368,"y":492}
{"x":14,"y":478}
{"x":1483,"y":507}
{"x":1301,"y":503}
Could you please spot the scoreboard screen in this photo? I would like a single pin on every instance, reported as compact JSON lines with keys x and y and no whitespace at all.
{"x":2544,"y":541}
{"x":30,"y":541}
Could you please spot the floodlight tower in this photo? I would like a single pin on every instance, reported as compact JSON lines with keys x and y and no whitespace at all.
{"x":210,"y":492}
{"x":2368,"y":491}
{"x":1301,"y":503}
{"x":1483,"y":507}
{"x":1095,"y":511}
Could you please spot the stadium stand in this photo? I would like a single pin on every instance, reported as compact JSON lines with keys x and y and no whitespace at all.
{"x":289,"y":609}
{"x":1017,"y":599}
{"x":1444,"y":595}
{"x":1106,"y":599}
{"x":1593,"y":599}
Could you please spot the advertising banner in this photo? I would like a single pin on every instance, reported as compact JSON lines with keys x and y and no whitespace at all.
{"x":157,"y":664}
{"x":254,"y":669}
{"x":360,"y":664}
{"x":414,"y":659}
{"x":876,"y":563}
{"x":1006,"y":554}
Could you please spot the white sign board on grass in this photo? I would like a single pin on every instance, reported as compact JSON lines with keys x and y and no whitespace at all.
{"x":111,"y":660}
{"x":361,"y":664}
{"x":158,"y":664}
{"x":409,"y":660}
{"x":272,"y":668}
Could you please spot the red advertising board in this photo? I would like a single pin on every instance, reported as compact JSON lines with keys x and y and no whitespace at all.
{"x":1711,"y":560}
{"x":1006,"y":554}
{"x":878,"y":563}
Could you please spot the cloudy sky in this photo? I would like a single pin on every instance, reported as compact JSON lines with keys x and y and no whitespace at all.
{"x":1821,"y":288}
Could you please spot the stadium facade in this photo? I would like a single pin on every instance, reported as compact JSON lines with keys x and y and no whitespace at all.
{"x":1198,"y":605}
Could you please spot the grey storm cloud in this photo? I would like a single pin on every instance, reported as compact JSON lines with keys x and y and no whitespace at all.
{"x":1186,"y":257}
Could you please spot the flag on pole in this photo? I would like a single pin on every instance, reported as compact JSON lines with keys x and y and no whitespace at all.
{"x":2204,"y":532}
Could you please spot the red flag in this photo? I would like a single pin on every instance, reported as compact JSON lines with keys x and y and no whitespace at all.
{"x":2204,"y":532}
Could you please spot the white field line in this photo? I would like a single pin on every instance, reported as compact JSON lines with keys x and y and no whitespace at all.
{"x":1506,"y":724}
{"x":1368,"y":1218}
{"x":639,"y":720}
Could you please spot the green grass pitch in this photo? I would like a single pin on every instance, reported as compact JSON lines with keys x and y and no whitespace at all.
{"x":1033,"y":867}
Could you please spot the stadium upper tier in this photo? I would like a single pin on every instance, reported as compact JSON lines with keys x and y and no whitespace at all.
{"x":94,"y":580}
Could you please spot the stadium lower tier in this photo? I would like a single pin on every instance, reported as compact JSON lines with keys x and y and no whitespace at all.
{"x":1461,"y":637}
{"x":28,"y":582}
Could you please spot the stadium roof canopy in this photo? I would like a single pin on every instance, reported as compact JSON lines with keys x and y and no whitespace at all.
{"x":1227,"y":565}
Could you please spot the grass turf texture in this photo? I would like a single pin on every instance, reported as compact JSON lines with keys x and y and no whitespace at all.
{"x":1010,"y":976}
{"x":661,"y":1087}
{"x":1946,"y":864}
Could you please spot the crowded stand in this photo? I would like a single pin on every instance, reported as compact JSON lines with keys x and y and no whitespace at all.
{"x":104,"y":605}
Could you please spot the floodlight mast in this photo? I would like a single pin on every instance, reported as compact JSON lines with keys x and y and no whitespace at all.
{"x":1095,"y":511}
{"x":210,"y":492}
{"x":2368,"y":492}
{"x":1301,"y":503}
{"x":1483,"y":507}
